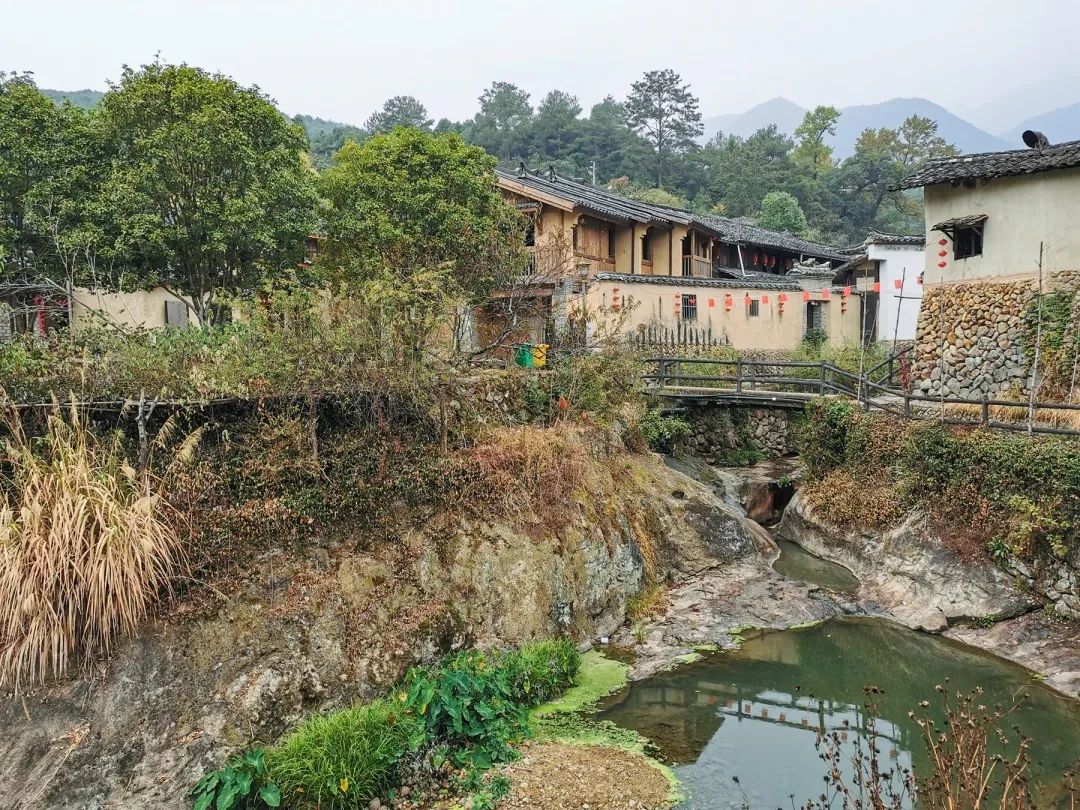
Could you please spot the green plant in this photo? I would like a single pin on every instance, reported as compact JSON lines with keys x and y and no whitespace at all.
{"x":999,"y":550}
{"x":86,"y":546}
{"x":662,"y":431}
{"x":244,"y":784}
{"x":343,"y":759}
{"x":484,"y":789}
{"x":476,"y":702}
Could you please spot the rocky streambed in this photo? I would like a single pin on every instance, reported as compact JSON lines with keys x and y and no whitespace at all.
{"x":904,"y":575}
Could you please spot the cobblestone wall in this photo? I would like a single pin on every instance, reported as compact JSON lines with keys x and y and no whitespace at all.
{"x":718,"y":431}
{"x":972,"y":338}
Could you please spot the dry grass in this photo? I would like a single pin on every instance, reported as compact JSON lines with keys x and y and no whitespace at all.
{"x":530,"y":468}
{"x":847,"y":499}
{"x":85,"y":548}
{"x":1018,"y":413}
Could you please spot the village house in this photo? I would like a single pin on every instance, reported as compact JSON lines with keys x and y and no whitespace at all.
{"x":669,"y":274}
{"x":1001,"y":231}
{"x":888,"y":270}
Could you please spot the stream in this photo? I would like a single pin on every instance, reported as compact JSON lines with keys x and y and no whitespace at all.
{"x":740,"y":728}
{"x":755,"y":713}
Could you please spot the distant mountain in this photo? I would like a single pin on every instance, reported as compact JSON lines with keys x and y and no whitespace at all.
{"x":320,"y":126}
{"x":1028,"y":101}
{"x":787,"y":115}
{"x":1057,"y":125}
{"x":87,"y":99}
{"x":966,"y":136}
{"x":853,"y":120}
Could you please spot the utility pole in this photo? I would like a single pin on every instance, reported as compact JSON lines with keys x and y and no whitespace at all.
{"x":1038,"y":347}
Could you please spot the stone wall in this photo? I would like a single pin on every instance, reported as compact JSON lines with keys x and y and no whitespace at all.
{"x":720,"y":432}
{"x":973,"y":339}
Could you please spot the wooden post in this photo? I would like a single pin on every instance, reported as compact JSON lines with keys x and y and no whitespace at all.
{"x":907,"y":404}
{"x":738,"y":376}
{"x":821,"y":385}
{"x":985,"y":409}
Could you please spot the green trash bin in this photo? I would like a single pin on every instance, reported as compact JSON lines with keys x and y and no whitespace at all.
{"x":523,"y":354}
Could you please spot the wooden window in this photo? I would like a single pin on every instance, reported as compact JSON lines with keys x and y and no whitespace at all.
{"x":967,"y":242}
{"x":530,"y":231}
{"x":755,"y":308}
{"x":689,"y":307}
{"x":646,"y":248}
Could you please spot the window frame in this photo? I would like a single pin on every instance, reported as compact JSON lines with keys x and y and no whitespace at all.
{"x":688,"y":307}
{"x":970,"y":238}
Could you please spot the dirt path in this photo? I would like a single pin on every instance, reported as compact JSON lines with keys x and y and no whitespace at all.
{"x":576,"y":777}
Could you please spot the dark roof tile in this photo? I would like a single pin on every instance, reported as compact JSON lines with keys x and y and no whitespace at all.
{"x":987,"y":165}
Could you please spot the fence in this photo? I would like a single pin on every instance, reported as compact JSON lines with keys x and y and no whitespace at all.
{"x":656,"y":335}
{"x":792,"y":383}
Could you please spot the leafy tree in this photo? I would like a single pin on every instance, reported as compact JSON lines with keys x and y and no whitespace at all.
{"x":207,"y":191}
{"x":419,"y":218}
{"x":399,"y":111}
{"x":51,"y":163}
{"x":744,"y":171}
{"x":662,"y":108}
{"x":558,"y":106}
{"x":780,"y":211}
{"x":812,"y":151}
{"x":504,"y":111}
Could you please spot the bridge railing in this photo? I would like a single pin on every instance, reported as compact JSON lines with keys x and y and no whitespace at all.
{"x":791,"y":382}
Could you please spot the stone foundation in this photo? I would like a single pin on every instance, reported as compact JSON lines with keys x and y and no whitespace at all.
{"x":973,"y":338}
{"x":717,"y":431}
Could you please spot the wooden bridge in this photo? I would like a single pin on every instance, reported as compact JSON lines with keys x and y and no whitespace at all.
{"x":791,"y":384}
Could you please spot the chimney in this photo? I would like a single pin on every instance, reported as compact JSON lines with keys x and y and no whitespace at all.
{"x":1035,"y":140}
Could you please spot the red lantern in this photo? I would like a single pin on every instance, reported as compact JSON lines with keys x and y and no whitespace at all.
{"x":943,"y":242}
{"x":943,"y":253}
{"x":764,"y":299}
{"x":825,"y":292}
{"x":755,"y":259}
{"x":712,"y":303}
{"x":845,"y":292}
{"x":782,"y":298}
{"x":806,"y":295}
{"x":877,"y":286}
{"x":942,"y":265}
{"x":897,"y":283}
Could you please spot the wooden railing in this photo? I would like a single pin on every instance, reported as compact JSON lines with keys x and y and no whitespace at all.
{"x":697,"y":267}
{"x":788,"y":383}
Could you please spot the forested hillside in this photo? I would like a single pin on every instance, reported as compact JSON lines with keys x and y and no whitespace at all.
{"x":648,"y":144}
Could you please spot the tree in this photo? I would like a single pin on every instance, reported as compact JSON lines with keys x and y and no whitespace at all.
{"x":812,"y":151}
{"x":419,"y":217}
{"x":662,"y":108}
{"x":504,"y":111}
{"x":399,"y":111}
{"x":208,"y":191}
{"x":780,"y":211}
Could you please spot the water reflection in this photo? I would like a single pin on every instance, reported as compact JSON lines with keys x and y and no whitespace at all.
{"x":755,"y":714}
{"x":796,"y":562}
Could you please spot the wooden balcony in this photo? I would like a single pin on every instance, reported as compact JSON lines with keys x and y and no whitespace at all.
{"x":697,"y":267}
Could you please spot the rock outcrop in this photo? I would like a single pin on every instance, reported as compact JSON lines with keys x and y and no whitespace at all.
{"x":325,"y":626}
{"x":906,"y":573}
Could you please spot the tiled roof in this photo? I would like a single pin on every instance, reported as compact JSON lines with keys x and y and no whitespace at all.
{"x":986,"y":165}
{"x":882,"y":238}
{"x":606,"y":204}
{"x":959,"y":222}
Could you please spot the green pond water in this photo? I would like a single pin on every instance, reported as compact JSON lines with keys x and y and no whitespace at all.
{"x":798,"y":563}
{"x":754,"y":713}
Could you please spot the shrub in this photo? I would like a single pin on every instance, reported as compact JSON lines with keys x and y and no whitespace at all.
{"x":662,"y":431}
{"x":86,"y":547}
{"x":243,"y":784}
{"x":541,"y":671}
{"x":343,"y":759}
{"x":823,"y":435}
{"x":476,"y":702}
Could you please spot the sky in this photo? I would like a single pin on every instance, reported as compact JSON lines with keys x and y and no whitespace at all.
{"x":341,"y":60}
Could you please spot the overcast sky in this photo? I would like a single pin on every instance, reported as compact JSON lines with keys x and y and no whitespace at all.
{"x":340,"y":60}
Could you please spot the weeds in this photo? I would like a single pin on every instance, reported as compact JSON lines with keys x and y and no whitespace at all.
{"x":342,"y":759}
{"x":86,"y":547}
{"x":243,"y":784}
